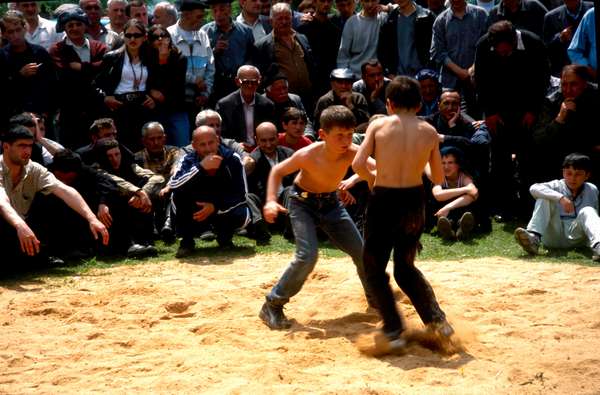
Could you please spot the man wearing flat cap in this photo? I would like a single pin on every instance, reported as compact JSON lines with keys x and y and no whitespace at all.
{"x":341,"y":94}
{"x":195,"y":46}
{"x":77,"y":60}
{"x":276,"y":89}
{"x":232,"y":43}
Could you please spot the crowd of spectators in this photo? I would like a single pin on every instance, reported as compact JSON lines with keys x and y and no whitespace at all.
{"x":161,"y":123}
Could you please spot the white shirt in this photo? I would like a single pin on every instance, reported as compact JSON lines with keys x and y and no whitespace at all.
{"x":249,"y":118}
{"x":258,"y":29}
{"x":45,"y":34}
{"x":127,"y":76}
{"x":82,"y":51}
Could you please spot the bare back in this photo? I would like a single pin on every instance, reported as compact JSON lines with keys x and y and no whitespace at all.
{"x":403,"y":145}
{"x":321,"y":171}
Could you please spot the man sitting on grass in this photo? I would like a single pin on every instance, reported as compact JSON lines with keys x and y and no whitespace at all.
{"x":566,"y":211}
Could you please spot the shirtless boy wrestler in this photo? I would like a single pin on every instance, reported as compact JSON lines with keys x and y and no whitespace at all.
{"x":314,"y":202}
{"x":403,"y":145}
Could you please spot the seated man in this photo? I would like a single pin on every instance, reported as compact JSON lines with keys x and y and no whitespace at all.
{"x":293,"y":123}
{"x":140,"y":187}
{"x":20,"y":180}
{"x":160,"y":159}
{"x":209,"y":189}
{"x":243,"y":109}
{"x":566,"y":211}
{"x":455,"y":196}
{"x":341,"y":94}
{"x":276,"y":89}
{"x":372,"y":86}
{"x":102,"y":128}
{"x":43,"y":149}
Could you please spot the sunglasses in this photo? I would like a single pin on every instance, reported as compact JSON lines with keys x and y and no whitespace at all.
{"x":159,"y":36}
{"x":250,"y":82}
{"x":133,"y":35}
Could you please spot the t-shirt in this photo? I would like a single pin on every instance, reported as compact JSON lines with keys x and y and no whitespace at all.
{"x":302,"y":142}
{"x":35,"y":178}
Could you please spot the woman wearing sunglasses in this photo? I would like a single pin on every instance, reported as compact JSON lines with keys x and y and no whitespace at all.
{"x":169,"y":93}
{"x":127,"y":77}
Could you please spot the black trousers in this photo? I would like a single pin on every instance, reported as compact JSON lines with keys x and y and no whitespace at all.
{"x":394,"y":220}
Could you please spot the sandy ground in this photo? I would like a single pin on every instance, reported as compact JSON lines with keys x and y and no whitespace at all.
{"x":190,"y":327}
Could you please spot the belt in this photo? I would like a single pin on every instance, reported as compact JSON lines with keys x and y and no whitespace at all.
{"x":312,"y":195}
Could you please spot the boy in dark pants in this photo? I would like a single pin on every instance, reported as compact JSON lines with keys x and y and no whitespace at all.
{"x":403,"y":146}
{"x":314,"y":203}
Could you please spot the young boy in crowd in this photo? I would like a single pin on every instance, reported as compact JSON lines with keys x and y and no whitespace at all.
{"x":314,"y":203}
{"x":566,"y":211}
{"x":293,"y":122}
{"x":456,"y":196}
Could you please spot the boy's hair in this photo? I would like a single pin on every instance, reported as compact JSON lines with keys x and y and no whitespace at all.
{"x":293,"y":114}
{"x":17,"y":132}
{"x":455,"y":152}
{"x":66,"y":161}
{"x":404,"y":92}
{"x":578,"y":162}
{"x":337,"y":116}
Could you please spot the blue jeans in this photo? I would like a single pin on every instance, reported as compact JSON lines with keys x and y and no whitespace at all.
{"x":305,"y":215}
{"x":177,"y":127}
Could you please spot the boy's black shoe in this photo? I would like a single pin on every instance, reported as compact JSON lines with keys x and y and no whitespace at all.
{"x":444,"y":228}
{"x":272,"y":315}
{"x":466,"y":223}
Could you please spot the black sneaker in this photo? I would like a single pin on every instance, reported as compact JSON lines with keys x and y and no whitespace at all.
{"x":186,"y":248}
{"x":272,"y":315}
{"x":167,"y":234}
{"x":466,"y":223}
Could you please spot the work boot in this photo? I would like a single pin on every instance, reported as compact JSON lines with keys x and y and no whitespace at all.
{"x":186,"y":248}
{"x":273,"y":316}
{"x":528,"y":240}
{"x":444,"y":228}
{"x":466,"y":223}
{"x":141,"y":250}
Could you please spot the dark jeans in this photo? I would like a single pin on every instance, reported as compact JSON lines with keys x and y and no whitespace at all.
{"x":395,"y":218}
{"x":223,"y":224}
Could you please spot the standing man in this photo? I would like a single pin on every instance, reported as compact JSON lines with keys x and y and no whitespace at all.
{"x":403,"y":146}
{"x":289,"y":52}
{"x":251,"y":17}
{"x":523,"y":14}
{"x":95,"y":30}
{"x":20,"y":180}
{"x":232,"y":44}
{"x":345,"y":9}
{"x":405,"y":39}
{"x":511,"y":77}
{"x":560,"y":25}
{"x":195,"y":46}
{"x":324,"y":37}
{"x":116,"y":15}
{"x":165,"y":14}
{"x":40,"y":31}
{"x":455,"y":35}
{"x":136,"y":9}
{"x":582,"y":49}
{"x":360,"y":37}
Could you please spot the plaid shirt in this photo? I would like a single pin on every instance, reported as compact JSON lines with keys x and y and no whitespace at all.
{"x":163,"y":164}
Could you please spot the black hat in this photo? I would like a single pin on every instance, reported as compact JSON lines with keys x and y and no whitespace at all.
{"x":271,"y":78}
{"x":189,"y":5}
{"x":341,"y":74}
{"x":71,"y":14}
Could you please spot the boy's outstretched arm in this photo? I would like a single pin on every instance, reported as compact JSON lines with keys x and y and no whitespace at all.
{"x":288,"y":166}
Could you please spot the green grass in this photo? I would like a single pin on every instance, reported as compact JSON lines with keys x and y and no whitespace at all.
{"x":499,"y":243}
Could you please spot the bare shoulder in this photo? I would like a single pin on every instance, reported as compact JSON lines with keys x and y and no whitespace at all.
{"x":425,"y":127}
{"x":309,"y":152}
